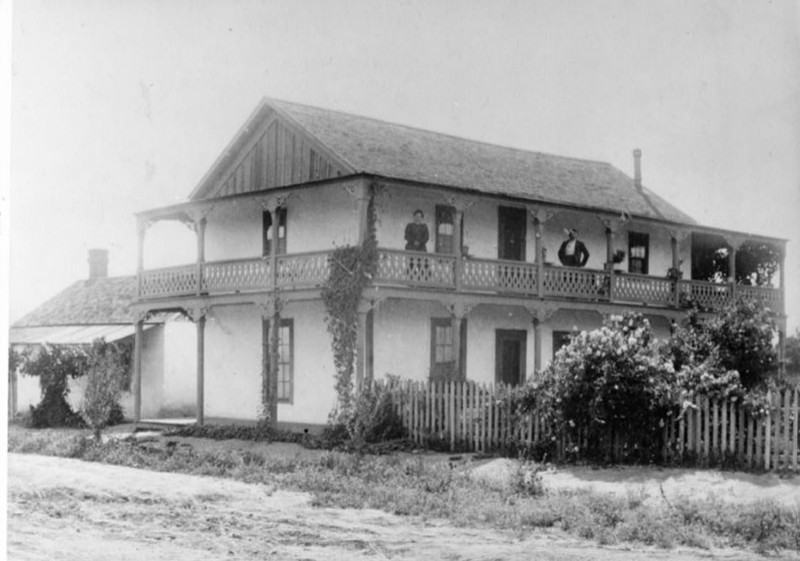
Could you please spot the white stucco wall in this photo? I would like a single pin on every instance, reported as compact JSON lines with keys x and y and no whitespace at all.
{"x":179,"y":393}
{"x":402,"y":338}
{"x":482,"y":324}
{"x":234,"y":229}
{"x":233,"y":362}
{"x":314,"y":395}
{"x":396,"y":205}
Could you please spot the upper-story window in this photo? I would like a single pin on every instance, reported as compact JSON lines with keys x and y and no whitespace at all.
{"x":270,"y":226}
{"x":638,"y":252}
{"x":445,"y":229}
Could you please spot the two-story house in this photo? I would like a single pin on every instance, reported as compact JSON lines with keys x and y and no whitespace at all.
{"x":488,"y":301}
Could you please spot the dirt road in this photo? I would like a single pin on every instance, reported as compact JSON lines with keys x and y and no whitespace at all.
{"x":72,"y":510}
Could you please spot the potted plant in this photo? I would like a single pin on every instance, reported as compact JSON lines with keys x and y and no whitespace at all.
{"x":674,"y":274}
{"x":617,"y":258}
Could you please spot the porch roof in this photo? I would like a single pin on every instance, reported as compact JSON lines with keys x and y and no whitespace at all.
{"x":182,"y":211}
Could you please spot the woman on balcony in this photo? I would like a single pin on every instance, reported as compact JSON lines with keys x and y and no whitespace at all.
{"x":417,"y":233}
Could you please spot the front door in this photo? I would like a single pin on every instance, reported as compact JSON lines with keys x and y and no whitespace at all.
{"x":511,"y":235}
{"x":510,"y":356}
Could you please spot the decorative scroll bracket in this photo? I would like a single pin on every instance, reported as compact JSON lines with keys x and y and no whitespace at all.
{"x":678,"y":234}
{"x":543,"y":312}
{"x":271,"y":202}
{"x":461,"y":204}
{"x":460,"y":309}
{"x":734,"y":241}
{"x":541,"y":214}
{"x":614,"y":224}
{"x":196,"y":312}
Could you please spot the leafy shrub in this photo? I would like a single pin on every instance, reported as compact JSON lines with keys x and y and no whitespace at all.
{"x":107,"y":375}
{"x":374,"y":418}
{"x":726,"y":356}
{"x":611,"y":386}
{"x":55,"y":366}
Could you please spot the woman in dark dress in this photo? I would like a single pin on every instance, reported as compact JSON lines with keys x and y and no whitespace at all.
{"x":417,"y":233}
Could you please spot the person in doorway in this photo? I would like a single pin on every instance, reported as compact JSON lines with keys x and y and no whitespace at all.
{"x":573,"y":252}
{"x":417,"y":233}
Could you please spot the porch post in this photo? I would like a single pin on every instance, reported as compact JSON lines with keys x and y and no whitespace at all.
{"x":457,"y":247}
{"x":782,"y":346}
{"x":270,"y":319}
{"x":201,"y":343}
{"x":363,"y":376}
{"x":782,"y":277}
{"x":537,"y":227}
{"x":734,"y":243}
{"x":537,"y":345}
{"x":362,"y":206}
{"x":609,"y":249}
{"x":540,"y":216}
{"x":201,"y":251}
{"x":197,"y":314}
{"x":137,"y":369}
{"x":540,"y":316}
{"x":141,"y":229}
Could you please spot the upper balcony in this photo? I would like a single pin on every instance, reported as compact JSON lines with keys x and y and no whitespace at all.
{"x":425,"y":271}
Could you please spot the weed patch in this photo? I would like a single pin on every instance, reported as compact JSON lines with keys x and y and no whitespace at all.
{"x":438,"y":490}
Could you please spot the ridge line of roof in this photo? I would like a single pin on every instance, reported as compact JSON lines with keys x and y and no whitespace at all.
{"x":445,"y":134}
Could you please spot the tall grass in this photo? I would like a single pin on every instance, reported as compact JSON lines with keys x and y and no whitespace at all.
{"x":446,"y":491}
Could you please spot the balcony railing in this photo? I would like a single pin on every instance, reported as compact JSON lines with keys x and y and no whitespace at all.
{"x":435,"y":271}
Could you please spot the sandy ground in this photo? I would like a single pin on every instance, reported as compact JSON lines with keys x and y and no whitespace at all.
{"x":67,"y":509}
{"x":734,"y":487}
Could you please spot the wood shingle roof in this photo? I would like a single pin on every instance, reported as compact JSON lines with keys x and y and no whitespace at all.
{"x":402,"y":152}
{"x":101,"y":301}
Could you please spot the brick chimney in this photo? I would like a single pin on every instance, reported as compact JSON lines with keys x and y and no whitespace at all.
{"x":98,"y":264}
{"x":637,"y":169}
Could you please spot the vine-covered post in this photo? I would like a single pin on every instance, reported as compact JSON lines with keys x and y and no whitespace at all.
{"x":363,"y":376}
{"x":351,"y":270}
{"x":270,"y":339}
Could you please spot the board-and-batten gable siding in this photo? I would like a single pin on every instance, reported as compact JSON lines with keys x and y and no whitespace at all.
{"x":281,"y":156}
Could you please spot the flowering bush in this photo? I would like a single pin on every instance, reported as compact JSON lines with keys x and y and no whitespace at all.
{"x":611,"y":385}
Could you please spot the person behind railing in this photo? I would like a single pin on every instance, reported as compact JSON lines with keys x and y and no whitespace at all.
{"x":417,"y":236}
{"x":573,"y":252}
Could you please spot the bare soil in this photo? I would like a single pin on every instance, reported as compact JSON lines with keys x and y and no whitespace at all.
{"x":67,"y":509}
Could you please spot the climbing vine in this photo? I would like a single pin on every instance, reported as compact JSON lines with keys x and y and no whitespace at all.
{"x":351,"y":269}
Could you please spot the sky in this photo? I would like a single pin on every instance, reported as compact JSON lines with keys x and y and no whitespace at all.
{"x":120,"y":106}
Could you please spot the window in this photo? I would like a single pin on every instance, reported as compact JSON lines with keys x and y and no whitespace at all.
{"x":443,"y":357}
{"x":445,"y":219}
{"x":638,"y":252}
{"x":269,"y":233}
{"x":442,"y":340}
{"x":286,"y":361}
{"x":560,"y":339}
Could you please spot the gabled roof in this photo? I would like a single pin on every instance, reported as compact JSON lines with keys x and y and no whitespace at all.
{"x":396,"y":151}
{"x":101,"y":301}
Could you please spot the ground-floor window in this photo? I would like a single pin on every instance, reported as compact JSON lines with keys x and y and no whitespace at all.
{"x":560,"y":339}
{"x":510,"y":356}
{"x":285,"y":357}
{"x":443,"y":357}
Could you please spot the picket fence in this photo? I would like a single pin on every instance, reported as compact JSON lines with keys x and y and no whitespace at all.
{"x":466,"y":416}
